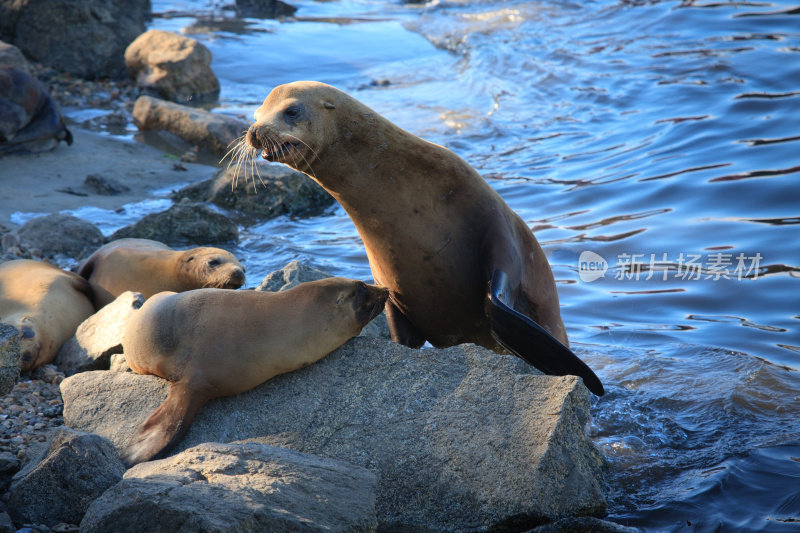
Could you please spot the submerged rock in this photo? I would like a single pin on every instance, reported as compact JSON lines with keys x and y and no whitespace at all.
{"x":211,"y":132}
{"x":461,"y":438}
{"x":172,"y":66}
{"x":238,"y":488}
{"x":268,"y":9}
{"x":183,"y":223}
{"x":70,"y":472}
{"x":276,"y":191}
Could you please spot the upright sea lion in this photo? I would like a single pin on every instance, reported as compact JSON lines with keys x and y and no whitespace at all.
{"x":460,"y":264}
{"x":45,"y":303}
{"x":214,"y":342}
{"x":29,"y":118}
{"x":150,"y":267}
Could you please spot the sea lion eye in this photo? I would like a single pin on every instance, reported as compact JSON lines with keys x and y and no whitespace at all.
{"x":293,"y":113}
{"x":190,"y":259}
{"x":214,"y":262}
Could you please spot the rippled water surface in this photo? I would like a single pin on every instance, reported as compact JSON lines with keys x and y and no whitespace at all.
{"x":662,"y":134}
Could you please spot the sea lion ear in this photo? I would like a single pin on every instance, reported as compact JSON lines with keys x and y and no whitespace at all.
{"x":328,"y":105}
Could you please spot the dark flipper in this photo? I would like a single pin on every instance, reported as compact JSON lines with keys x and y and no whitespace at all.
{"x":403,"y":332}
{"x":165,"y":428}
{"x":530,"y":341}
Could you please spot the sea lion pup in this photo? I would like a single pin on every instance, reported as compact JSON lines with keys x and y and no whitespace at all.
{"x":150,"y":267}
{"x":29,"y":118}
{"x":460,"y":264}
{"x":46,"y":304}
{"x":214,"y":342}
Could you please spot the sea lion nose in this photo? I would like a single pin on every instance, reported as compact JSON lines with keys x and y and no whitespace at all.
{"x":252,"y":137}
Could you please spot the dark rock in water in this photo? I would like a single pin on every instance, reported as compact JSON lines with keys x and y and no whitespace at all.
{"x":241,"y":488}
{"x":60,"y":235}
{"x":277,"y":191}
{"x":98,"y":337}
{"x":211,"y":132}
{"x":9,"y":357}
{"x":29,"y":118}
{"x":86,"y":38}
{"x":172,"y":66}
{"x":183,"y":223}
{"x":584,"y":524}
{"x":462,"y":439}
{"x":265,"y":9}
{"x":105,"y":186}
{"x":69,"y":473}
{"x":296,"y":273}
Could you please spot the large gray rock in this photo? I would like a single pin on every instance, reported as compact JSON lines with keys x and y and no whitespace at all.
{"x":183,"y":223}
{"x":273,"y":192}
{"x":54,"y":235}
{"x":238,"y":488}
{"x":211,"y":132}
{"x":461,"y":438}
{"x":172,"y":66}
{"x":67,"y":475}
{"x":86,"y":38}
{"x":98,"y":337}
{"x":9,"y":357}
{"x":296,"y":273}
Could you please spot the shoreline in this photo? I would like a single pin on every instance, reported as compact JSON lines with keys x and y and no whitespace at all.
{"x":53,"y":182}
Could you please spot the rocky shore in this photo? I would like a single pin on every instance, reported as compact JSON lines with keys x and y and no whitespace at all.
{"x":375,"y":437}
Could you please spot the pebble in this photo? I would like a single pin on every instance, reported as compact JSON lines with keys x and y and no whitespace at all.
{"x":30,"y":411}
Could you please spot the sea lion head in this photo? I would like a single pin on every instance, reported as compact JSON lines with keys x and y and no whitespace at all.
{"x":295,"y":123}
{"x":212,"y":267}
{"x":30,"y":343}
{"x":355,"y":300}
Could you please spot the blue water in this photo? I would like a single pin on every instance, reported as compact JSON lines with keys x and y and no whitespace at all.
{"x":661,"y":132}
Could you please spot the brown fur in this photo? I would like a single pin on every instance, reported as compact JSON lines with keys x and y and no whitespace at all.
{"x":434,"y":230}
{"x":45,"y":303}
{"x":150,"y":267}
{"x":215,"y":342}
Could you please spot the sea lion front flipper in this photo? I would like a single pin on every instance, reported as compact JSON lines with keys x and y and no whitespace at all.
{"x":166,"y":426}
{"x":403,"y":332}
{"x":530,"y":341}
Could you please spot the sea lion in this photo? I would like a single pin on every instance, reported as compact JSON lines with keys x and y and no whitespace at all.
{"x":460,"y":264}
{"x":29,"y":118}
{"x":150,"y":267}
{"x":46,"y":304}
{"x":211,"y":343}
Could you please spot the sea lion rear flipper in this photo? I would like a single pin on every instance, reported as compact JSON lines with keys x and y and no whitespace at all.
{"x":166,"y":426}
{"x":530,"y":341}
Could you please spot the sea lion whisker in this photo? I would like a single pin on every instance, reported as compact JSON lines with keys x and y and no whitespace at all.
{"x":316,"y":156}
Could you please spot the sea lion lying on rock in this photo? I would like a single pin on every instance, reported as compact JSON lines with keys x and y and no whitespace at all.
{"x":46,"y":304}
{"x":214,"y":342}
{"x":150,"y":267}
